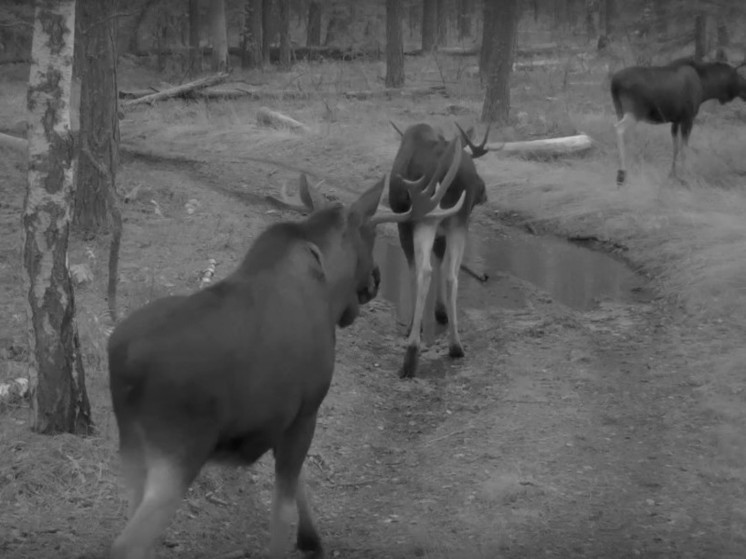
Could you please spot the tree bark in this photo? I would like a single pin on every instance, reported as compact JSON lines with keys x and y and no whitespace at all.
{"x":465,"y":10}
{"x":284,"y":6}
{"x":268,"y":31}
{"x":723,"y":40}
{"x":394,"y":44}
{"x":58,"y":395}
{"x":99,"y":123}
{"x":441,"y":8}
{"x":251,"y":39}
{"x":195,"y":55}
{"x":489,"y":16}
{"x":499,"y":64}
{"x":700,"y":35}
{"x":134,"y":43}
{"x":218,"y":36}
{"x":429,"y":24}
{"x":338,"y":22}
{"x":313,"y":32}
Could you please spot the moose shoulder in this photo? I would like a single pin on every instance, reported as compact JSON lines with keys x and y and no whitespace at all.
{"x":241,"y":367}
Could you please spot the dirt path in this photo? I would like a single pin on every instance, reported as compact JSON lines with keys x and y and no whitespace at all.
{"x":561,"y":434}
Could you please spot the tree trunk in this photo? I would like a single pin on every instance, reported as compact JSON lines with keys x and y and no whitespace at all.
{"x":489,"y":16}
{"x":99,"y":123}
{"x":195,"y":55}
{"x":251,"y":39}
{"x":499,"y":65}
{"x":590,"y":19}
{"x":218,"y":36}
{"x":134,"y":44}
{"x":441,"y":8}
{"x":429,"y":24}
{"x":338,"y":21}
{"x":723,"y":40}
{"x":465,"y":9}
{"x":313,"y":31}
{"x":415,"y":15}
{"x":58,"y":395}
{"x":268,"y":31}
{"x":284,"y":8}
{"x":700,"y":35}
{"x":394,"y":44}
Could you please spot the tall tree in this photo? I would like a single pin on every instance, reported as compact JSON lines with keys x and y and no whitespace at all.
{"x":313,"y":30}
{"x":95,"y":63}
{"x":441,"y":7}
{"x":489,"y":16}
{"x":195,"y":54}
{"x":394,"y":44}
{"x":251,"y":39}
{"x":700,"y":35}
{"x":723,"y":39}
{"x":268,"y":31}
{"x":58,"y":395}
{"x":430,"y":23}
{"x":218,"y":35}
{"x":339,"y":19}
{"x":465,"y":9}
{"x":499,"y":63}
{"x":284,"y":9}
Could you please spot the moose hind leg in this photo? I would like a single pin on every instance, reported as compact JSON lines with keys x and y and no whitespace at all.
{"x":675,"y":137}
{"x":441,"y":313}
{"x":424,"y":237}
{"x":289,"y":491}
{"x":451,"y":265}
{"x":165,"y":486}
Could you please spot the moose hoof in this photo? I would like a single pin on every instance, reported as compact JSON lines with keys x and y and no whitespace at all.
{"x":310,"y":545}
{"x":621,"y":176}
{"x":409,"y":368}
{"x":455,"y":351}
{"x":441,"y":316}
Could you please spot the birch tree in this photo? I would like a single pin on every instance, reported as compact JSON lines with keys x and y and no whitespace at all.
{"x":57,"y":378}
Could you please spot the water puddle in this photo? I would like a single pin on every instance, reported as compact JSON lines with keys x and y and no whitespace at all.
{"x":570,"y":274}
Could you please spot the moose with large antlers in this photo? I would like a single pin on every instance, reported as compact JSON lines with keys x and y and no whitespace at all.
{"x":241,"y":367}
{"x":425,"y":159}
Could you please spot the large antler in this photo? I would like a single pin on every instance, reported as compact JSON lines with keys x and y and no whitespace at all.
{"x":476,"y":151}
{"x":310,"y":196}
{"x":426,"y":199}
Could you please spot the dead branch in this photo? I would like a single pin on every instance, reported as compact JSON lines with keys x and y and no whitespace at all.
{"x":274,"y":119}
{"x":13,"y":142}
{"x":178,"y":90}
{"x":391,"y":92}
{"x":546,"y":147}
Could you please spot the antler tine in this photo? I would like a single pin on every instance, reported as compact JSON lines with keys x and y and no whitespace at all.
{"x":476,"y":151}
{"x":425,"y":203}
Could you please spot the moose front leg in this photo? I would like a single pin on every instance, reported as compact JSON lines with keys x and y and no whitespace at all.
{"x":622,"y":126}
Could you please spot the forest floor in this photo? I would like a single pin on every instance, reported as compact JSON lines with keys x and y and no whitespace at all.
{"x":611,"y":431}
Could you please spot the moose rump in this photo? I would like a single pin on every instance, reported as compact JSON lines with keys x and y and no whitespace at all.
{"x":240,"y":368}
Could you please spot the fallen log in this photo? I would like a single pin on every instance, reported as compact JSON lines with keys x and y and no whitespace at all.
{"x":525,"y":51}
{"x":137,"y":93}
{"x":179,"y":90}
{"x":546,"y":147}
{"x":395,"y":92}
{"x":12,"y":142}
{"x":267,"y":117}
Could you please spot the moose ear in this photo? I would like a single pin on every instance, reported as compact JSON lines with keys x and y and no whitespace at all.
{"x":309,"y":195}
{"x":367,"y":204}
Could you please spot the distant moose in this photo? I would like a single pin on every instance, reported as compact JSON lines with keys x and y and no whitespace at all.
{"x":241,"y":367}
{"x":426,"y":159}
{"x":671,"y":93}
